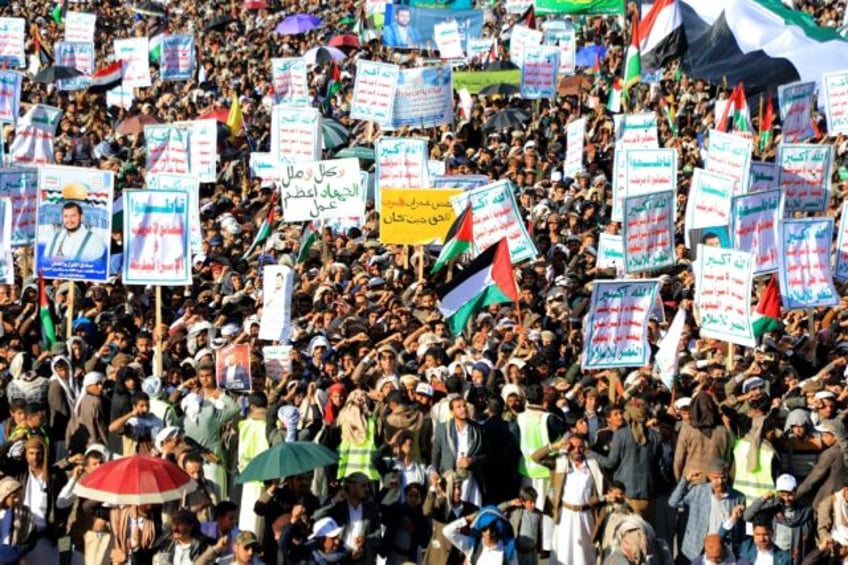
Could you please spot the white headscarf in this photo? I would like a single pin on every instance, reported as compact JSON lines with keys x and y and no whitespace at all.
{"x":70,"y":395}
{"x":91,"y":378}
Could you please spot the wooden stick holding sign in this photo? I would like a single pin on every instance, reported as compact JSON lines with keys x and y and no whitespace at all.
{"x":69,"y":331}
{"x":158,"y":361}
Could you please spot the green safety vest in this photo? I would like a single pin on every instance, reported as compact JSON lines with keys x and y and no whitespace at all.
{"x":359,"y":458}
{"x":757,"y":482}
{"x":534,"y":436}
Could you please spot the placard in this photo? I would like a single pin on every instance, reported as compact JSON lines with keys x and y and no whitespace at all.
{"x":135,"y":53}
{"x":724,"y":294}
{"x":495,"y":215}
{"x":836,"y":102}
{"x":615,"y":333}
{"x":575,"y":134}
{"x":610,"y":251}
{"x":374,"y":91}
{"x":12,"y":43}
{"x":423,"y":98}
{"x":203,"y":148}
{"x":156,"y":237}
{"x":20,"y":185}
{"x":76,"y":55}
{"x":320,"y":190}
{"x":840,"y":271}
{"x":79,"y":26}
{"x":539,"y":72}
{"x":796,"y":110}
{"x":708,"y":203}
{"x":185,"y":183}
{"x":288,"y":75}
{"x":754,"y":227}
{"x":561,"y":34}
{"x":805,"y":276}
{"x":177,"y":60}
{"x":167,"y":149}
{"x":416,"y":216}
{"x":649,"y":231}
{"x":10,"y":96}
{"x":232,"y":367}
{"x":295,"y":134}
{"x":277,"y":287}
{"x":74,"y":223}
{"x":763,"y":176}
{"x":401,"y":162}
{"x":803,"y":174}
{"x":730,"y":155}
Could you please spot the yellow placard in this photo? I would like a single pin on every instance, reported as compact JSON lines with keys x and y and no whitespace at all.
{"x":416,"y":216}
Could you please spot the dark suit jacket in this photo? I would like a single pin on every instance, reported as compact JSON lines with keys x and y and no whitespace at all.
{"x":444,"y":449}
{"x":371,"y":517}
{"x":827,"y":477}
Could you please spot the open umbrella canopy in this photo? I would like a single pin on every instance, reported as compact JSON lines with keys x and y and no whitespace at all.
{"x":219,"y":23}
{"x":323,"y":55}
{"x":220,"y":114}
{"x":254,"y":5}
{"x":134,"y":125}
{"x":333,"y":133}
{"x":49,"y":75}
{"x":149,"y":9}
{"x":508,"y":118}
{"x":358,"y":152}
{"x":500,"y":66}
{"x":499,"y":88}
{"x":287,"y":460}
{"x":297,"y":24}
{"x":345,"y":41}
{"x":135,"y":480}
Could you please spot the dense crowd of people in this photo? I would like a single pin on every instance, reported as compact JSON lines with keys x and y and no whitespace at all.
{"x":488,"y":447}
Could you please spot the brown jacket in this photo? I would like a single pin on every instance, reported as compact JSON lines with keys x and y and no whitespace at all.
{"x":695,"y":451}
{"x":545,"y":457}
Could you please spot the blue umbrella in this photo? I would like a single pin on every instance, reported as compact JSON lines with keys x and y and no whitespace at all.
{"x":297,"y":24}
{"x":586,"y":55}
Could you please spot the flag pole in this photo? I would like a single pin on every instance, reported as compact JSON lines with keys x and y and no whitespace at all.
{"x":158,"y":361}
{"x":70,"y":321}
{"x":420,"y":264}
{"x":760,"y":126}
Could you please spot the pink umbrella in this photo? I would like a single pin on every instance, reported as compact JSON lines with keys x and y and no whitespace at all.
{"x":220,"y":114}
{"x":343,"y":41}
{"x":254,"y":5}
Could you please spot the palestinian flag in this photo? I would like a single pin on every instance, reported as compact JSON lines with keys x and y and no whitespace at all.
{"x":107,"y":78}
{"x":265,"y":228}
{"x":766,"y":125}
{"x":633,"y":59}
{"x":736,"y":115}
{"x":528,"y":18}
{"x":48,"y":330}
{"x":335,"y":83}
{"x":458,"y":240}
{"x":662,"y":34}
{"x":614,"y":100}
{"x":759,"y":42}
{"x":307,"y":240}
{"x":60,"y":11}
{"x":42,"y":51}
{"x":767,"y":315}
{"x":486,"y":280}
{"x":668,"y":111}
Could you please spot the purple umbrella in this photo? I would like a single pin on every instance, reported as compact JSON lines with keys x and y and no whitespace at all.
{"x":297,"y":24}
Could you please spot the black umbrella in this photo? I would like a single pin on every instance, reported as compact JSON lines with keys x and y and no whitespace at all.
{"x":49,"y":75}
{"x":506,"y":119}
{"x":500,"y":66}
{"x":219,"y":23}
{"x":149,"y":9}
{"x":501,"y":88}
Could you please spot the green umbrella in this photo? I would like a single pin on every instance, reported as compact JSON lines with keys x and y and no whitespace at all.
{"x":358,"y":152}
{"x":287,"y":460}
{"x":347,"y":21}
{"x":334,"y":134}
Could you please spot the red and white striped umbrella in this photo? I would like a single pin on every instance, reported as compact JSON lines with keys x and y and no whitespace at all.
{"x":136,"y":480}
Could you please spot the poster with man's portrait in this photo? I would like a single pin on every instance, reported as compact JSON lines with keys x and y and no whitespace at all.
{"x":232,"y":367}
{"x":74,"y":223}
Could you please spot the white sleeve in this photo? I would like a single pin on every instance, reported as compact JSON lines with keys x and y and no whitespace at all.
{"x":453,"y":534}
{"x":66,"y":496}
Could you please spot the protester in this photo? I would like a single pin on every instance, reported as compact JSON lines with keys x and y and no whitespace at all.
{"x":435,"y":403}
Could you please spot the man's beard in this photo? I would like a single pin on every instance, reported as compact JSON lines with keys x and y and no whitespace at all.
{"x":74,"y":230}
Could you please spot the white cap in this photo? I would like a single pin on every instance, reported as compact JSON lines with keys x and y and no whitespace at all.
{"x":823,"y":394}
{"x":325,"y":528}
{"x":424,"y":388}
{"x":785,"y":483}
{"x":682,"y":403}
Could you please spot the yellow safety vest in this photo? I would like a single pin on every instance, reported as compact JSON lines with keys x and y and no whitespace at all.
{"x":533,"y":426}
{"x":359,"y":458}
{"x":757,"y":482}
